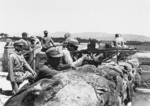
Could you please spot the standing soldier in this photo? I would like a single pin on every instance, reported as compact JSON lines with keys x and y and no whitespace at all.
{"x":47,"y":41}
{"x":19,"y":69}
{"x":27,"y":46}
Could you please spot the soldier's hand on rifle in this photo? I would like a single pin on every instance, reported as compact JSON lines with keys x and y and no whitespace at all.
{"x":86,"y":57}
{"x":96,"y":58}
{"x":73,"y":66}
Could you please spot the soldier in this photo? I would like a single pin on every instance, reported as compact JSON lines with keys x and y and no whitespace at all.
{"x":67,"y":37}
{"x":35,"y":42}
{"x":19,"y":69}
{"x":71,"y":58}
{"x":53,"y":65}
{"x":27,"y":46}
{"x":47,"y":41}
{"x":119,"y":41}
{"x":36,"y":47}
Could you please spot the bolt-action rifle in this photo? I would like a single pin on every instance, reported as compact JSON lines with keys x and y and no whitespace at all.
{"x":110,"y":50}
{"x":108,"y":53}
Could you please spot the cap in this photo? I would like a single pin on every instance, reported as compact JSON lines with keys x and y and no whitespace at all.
{"x":53,"y":52}
{"x":24,"y":33}
{"x":73,"y":42}
{"x":45,"y":31}
{"x":18,"y":43}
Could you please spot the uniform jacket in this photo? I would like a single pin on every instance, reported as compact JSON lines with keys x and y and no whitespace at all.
{"x":16,"y":64}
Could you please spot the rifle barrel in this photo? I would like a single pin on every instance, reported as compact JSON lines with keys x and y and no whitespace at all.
{"x":107,"y":51}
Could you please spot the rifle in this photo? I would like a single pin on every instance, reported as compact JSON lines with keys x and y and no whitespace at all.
{"x":108,"y":53}
{"x":110,"y":50}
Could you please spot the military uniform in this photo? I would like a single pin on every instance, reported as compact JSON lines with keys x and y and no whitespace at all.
{"x":53,"y":65}
{"x":17,"y":72}
{"x":26,"y":48}
{"x":70,"y":58}
{"x":18,"y":67}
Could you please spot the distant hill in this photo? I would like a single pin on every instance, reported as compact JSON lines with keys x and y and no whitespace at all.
{"x":105,"y":36}
{"x":94,"y":35}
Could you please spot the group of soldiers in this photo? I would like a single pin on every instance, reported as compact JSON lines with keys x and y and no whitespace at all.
{"x":57,"y":60}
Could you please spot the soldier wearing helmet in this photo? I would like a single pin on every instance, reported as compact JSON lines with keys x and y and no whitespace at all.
{"x":68,"y":55}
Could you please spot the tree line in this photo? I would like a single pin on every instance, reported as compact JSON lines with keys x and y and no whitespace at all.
{"x":4,"y":36}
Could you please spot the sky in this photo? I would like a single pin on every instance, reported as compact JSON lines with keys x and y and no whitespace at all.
{"x":75,"y":16}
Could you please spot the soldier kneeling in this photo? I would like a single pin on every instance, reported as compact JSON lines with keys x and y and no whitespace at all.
{"x":19,"y":69}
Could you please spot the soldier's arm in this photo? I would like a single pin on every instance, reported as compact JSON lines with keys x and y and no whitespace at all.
{"x":67,"y":57}
{"x":28,"y":66}
{"x":42,"y":43}
{"x":51,"y":40}
{"x":64,"y":66}
{"x":11,"y":68}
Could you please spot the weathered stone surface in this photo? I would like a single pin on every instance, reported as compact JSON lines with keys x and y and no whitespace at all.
{"x":142,"y":78}
{"x":72,"y":88}
{"x":86,"y":86}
